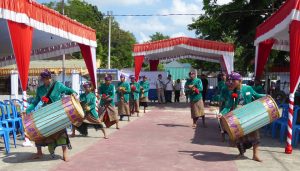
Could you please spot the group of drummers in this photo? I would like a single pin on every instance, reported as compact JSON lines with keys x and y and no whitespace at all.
{"x":233,"y":95}
{"x":130,"y":95}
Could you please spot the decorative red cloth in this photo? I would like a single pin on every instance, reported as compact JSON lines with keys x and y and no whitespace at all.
{"x":45,"y":99}
{"x":104,"y":96}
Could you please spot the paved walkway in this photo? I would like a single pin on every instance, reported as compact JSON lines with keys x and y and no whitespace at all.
{"x":161,"y":140}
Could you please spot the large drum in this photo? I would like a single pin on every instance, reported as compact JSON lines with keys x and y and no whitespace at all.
{"x":53,"y":118}
{"x":250,"y":117}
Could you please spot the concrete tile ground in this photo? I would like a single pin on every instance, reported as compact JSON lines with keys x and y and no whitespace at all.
{"x":160,"y":140}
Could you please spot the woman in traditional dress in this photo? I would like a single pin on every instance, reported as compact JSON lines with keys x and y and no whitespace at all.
{"x":51,"y":91}
{"x":239,"y":95}
{"x":88,"y":103}
{"x":134,"y":104}
{"x":193,"y":87}
{"x":123,"y":91}
{"x":145,"y":86}
{"x":107,"y":93}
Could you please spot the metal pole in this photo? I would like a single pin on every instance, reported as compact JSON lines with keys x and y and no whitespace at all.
{"x":109,"y":13}
{"x":64,"y":56}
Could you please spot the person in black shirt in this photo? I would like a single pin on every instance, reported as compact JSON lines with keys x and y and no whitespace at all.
{"x":205,"y":86}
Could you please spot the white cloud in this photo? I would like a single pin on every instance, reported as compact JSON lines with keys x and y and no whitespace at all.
{"x":122,"y":2}
{"x":144,"y":37}
{"x":178,"y":34}
{"x":222,"y":2}
{"x":181,"y":7}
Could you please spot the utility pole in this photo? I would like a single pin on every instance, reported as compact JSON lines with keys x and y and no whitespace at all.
{"x":64,"y":56}
{"x":109,"y":13}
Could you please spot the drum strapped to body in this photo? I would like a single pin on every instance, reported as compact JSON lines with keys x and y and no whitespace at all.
{"x":250,"y":117}
{"x":53,"y":118}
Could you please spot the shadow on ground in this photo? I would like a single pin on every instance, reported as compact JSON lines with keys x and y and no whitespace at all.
{"x":210,"y":156}
{"x":25,"y":157}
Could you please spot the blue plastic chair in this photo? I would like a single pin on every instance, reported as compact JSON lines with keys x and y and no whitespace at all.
{"x":11,"y":116}
{"x":7,"y":128}
{"x":296,"y":128}
{"x":5,"y":134}
{"x":281,"y":123}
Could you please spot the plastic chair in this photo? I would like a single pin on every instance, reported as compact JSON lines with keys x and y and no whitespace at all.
{"x":281,"y":123}
{"x":7,"y":128}
{"x":11,"y":116}
{"x":296,"y":127}
{"x":5,"y":134}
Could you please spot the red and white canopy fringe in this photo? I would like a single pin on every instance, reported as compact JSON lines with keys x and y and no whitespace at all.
{"x":29,"y":30}
{"x":183,"y":47}
{"x":281,"y":32}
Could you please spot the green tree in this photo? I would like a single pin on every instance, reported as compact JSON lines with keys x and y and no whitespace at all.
{"x":235,"y":23}
{"x":158,"y":36}
{"x":121,"y":40}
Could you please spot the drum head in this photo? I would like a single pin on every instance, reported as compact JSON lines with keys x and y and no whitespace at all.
{"x":77,"y":106}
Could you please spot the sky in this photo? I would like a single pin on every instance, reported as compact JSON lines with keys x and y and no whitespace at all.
{"x":143,"y":27}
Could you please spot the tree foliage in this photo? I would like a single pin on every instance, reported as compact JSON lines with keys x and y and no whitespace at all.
{"x":121,"y":40}
{"x":235,"y":23}
{"x":158,"y":36}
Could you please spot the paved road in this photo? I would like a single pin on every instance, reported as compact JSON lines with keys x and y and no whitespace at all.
{"x":161,"y":140}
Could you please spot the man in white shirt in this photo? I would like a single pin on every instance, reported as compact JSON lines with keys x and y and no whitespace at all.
{"x":169,"y":89}
{"x":160,"y":89}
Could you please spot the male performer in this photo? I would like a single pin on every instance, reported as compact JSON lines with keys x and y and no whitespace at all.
{"x":239,"y":95}
{"x":54,"y":90}
{"x":123,"y":91}
{"x":88,"y":103}
{"x":193,"y":87}
{"x":145,"y":86}
{"x":134,"y":96}
{"x":107,"y":92}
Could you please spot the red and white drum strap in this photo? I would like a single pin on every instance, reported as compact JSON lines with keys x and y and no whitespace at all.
{"x":290,"y":124}
{"x":24,"y":98}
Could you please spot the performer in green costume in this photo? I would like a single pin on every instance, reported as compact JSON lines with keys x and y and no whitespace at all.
{"x":193,"y":87}
{"x":145,"y":86}
{"x":58,"y":89}
{"x":134,"y":96}
{"x":123,"y":91}
{"x":239,"y":95}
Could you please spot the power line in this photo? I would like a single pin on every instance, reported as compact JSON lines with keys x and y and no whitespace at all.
{"x":185,"y":14}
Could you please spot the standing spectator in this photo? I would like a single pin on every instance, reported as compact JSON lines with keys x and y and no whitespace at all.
{"x":169,"y":89}
{"x":160,"y":87}
{"x":186,"y":93}
{"x":205,"y":86}
{"x":177,"y":88}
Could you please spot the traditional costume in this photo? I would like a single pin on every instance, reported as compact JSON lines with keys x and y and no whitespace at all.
{"x":88,"y":103}
{"x":107,"y":93}
{"x":134,"y":96}
{"x":49,"y":94}
{"x":193,"y":87}
{"x":145,"y":86}
{"x":123,"y":91}
{"x":241,"y":95}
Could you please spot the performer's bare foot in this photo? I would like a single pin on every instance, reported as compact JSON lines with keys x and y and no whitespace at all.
{"x":255,"y":158}
{"x":194,"y":126}
{"x":105,"y":137}
{"x":65,"y":154}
